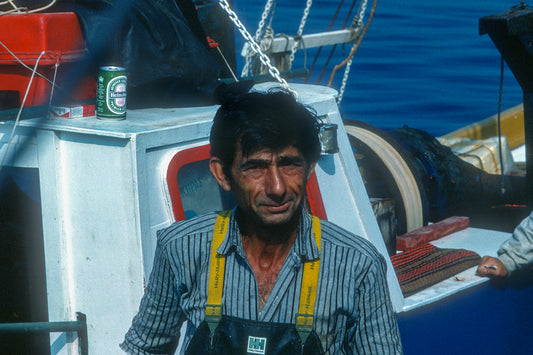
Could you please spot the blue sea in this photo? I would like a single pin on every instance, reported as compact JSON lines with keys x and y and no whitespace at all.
{"x":421,"y":63}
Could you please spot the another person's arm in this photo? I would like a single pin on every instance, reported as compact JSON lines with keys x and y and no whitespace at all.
{"x":514,"y":254}
{"x":491,"y":267}
{"x":156,"y":327}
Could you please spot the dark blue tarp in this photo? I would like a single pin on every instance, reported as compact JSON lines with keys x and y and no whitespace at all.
{"x":160,"y":43}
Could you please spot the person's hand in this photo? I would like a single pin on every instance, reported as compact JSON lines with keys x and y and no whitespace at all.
{"x":491,"y":267}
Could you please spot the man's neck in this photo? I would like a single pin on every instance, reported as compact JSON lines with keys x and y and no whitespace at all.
{"x":266,"y":254}
{"x":266,"y":250}
{"x":270,"y":237}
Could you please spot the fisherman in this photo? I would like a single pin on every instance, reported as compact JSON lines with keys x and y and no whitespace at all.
{"x":266,"y":277}
{"x":515,"y":253}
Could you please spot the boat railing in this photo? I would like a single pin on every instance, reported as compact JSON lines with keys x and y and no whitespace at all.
{"x":79,"y":326}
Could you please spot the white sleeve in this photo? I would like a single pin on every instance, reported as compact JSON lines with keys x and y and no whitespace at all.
{"x":517,"y":251}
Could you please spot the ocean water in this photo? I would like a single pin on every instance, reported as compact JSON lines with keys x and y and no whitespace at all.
{"x":421,"y":63}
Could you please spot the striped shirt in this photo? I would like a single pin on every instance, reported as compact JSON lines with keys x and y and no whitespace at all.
{"x":353,"y":313}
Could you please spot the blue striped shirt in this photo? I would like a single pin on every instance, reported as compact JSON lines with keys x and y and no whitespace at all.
{"x":353,"y":313}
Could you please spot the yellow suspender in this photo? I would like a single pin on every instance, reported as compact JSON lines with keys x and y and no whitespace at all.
{"x":304,"y":317}
{"x":213,"y":309}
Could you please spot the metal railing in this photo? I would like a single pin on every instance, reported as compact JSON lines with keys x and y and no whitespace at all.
{"x":79,"y":326}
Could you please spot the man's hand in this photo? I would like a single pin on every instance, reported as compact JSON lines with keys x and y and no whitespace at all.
{"x":491,"y":267}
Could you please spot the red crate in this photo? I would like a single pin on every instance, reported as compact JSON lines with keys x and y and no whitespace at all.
{"x":59,"y":36}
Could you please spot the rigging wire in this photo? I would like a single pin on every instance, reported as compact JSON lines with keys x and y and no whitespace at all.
{"x":268,"y":13}
{"x":264,"y":44}
{"x":53,"y":85}
{"x":502,"y":185}
{"x":8,"y":144}
{"x":23,"y":10}
{"x":355,"y":46}
{"x":328,"y":30}
{"x":334,"y":47}
{"x":298,"y":36}
{"x":65,"y":92}
{"x":362,"y":10}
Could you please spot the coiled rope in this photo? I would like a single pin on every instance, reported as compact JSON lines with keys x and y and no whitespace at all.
{"x":268,"y":13}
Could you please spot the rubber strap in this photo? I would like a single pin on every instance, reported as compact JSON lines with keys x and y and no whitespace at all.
{"x":213,"y":309}
{"x":306,"y":310}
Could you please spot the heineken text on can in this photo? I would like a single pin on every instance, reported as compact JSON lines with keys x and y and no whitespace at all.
{"x":111,"y":93}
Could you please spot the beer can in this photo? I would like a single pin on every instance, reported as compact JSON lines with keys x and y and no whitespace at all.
{"x":111,"y":93}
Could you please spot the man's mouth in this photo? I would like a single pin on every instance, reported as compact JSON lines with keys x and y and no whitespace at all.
{"x":278,"y":207}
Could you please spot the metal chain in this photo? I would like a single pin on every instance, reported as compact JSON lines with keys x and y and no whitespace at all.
{"x":358,"y":20}
{"x":344,"y":81}
{"x":255,"y":47}
{"x":361,"y":14}
{"x":266,"y":13}
{"x":300,"y":31}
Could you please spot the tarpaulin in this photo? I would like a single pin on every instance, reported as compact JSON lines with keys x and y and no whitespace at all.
{"x":165,"y":53}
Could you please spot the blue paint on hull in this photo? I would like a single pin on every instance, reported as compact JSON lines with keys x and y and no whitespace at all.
{"x":480,"y":320}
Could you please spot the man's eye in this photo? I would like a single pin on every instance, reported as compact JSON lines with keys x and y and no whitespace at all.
{"x":254,"y":170}
{"x":252,"y":167}
{"x":292,"y":168}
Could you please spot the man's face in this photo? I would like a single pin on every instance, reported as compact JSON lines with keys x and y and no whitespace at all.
{"x":269,"y":186}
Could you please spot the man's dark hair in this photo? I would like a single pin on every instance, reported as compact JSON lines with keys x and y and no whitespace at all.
{"x":272,"y":120}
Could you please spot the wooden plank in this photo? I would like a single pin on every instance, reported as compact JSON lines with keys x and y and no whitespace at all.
{"x":431,"y":232}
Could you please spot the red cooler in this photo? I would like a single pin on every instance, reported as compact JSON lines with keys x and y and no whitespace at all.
{"x":60,"y":37}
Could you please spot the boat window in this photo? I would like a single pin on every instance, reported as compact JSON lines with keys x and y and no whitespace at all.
{"x":192,"y":188}
{"x":200,"y":192}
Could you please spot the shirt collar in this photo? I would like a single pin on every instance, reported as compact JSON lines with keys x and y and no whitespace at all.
{"x":304,"y":245}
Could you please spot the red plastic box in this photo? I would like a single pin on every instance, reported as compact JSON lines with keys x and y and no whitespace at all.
{"x":60,"y":37}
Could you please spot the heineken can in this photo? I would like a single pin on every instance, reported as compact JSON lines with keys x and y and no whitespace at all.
{"x":111,"y":93}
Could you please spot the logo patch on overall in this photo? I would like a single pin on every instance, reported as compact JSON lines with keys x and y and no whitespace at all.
{"x":256,"y":345}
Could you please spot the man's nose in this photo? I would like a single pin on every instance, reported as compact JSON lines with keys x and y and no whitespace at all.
{"x":275,"y":183}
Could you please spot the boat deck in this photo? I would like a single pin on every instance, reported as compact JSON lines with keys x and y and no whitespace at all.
{"x":482,"y":241}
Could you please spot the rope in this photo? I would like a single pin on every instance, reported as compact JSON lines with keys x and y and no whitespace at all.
{"x":36,"y":73}
{"x":267,"y":12}
{"x":20,"y":110}
{"x":14,"y":7}
{"x":355,"y":46}
{"x":23,"y":10}
{"x":300,"y":32}
{"x":266,"y":46}
{"x":255,"y":47}
{"x":320,"y":48}
{"x":53,"y":85}
{"x":362,"y":10}
{"x":335,"y":46}
{"x":359,"y":22}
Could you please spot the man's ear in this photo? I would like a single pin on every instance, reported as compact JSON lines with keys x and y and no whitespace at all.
{"x":217,"y":169}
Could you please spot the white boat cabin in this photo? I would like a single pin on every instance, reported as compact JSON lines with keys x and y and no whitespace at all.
{"x":107,"y":187}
